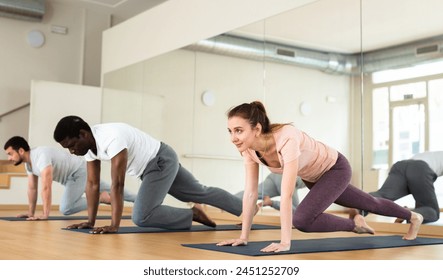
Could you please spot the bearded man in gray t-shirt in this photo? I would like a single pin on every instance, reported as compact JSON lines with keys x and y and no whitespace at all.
{"x":54,"y":165}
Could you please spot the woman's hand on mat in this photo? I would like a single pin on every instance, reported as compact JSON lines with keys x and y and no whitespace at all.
{"x":105,"y":229}
{"x":81,"y":225}
{"x":276,"y":247}
{"x":233,"y":242}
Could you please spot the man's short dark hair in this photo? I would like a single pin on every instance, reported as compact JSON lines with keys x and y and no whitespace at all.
{"x":16,"y":143}
{"x":70,"y":127}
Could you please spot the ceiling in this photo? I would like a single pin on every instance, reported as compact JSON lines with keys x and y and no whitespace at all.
{"x":349,"y":26}
{"x":120,"y":9}
{"x":344,"y":26}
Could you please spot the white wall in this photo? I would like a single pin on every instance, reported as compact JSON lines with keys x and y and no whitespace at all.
{"x":50,"y":101}
{"x":17,"y":193}
{"x":144,"y":111}
{"x":72,"y":58}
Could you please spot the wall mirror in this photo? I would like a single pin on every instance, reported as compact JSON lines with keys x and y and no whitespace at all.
{"x":283,"y":62}
{"x":315,"y":66}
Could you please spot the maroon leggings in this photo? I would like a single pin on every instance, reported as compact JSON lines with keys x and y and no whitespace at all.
{"x":334,"y":187}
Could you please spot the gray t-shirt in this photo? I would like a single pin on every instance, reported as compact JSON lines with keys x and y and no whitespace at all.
{"x":433,"y":159}
{"x":63,"y":163}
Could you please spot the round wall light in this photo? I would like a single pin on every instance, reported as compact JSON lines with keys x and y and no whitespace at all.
{"x":35,"y":38}
{"x":208,"y":98}
{"x":305,"y":108}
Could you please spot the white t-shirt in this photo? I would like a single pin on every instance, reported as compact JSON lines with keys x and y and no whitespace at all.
{"x":112,"y":138}
{"x":433,"y":159}
{"x":63,"y":163}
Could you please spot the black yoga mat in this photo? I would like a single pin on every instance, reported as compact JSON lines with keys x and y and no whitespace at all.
{"x":322,"y":245}
{"x":60,"y":218}
{"x":136,"y":229}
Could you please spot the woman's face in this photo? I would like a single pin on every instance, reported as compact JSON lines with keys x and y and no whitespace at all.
{"x":242,"y":134}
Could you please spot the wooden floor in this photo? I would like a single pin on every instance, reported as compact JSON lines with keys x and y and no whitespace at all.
{"x":45,"y":240}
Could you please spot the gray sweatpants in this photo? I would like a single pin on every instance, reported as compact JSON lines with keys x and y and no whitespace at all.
{"x":73,"y":200}
{"x":164,"y":175}
{"x":416,"y":178}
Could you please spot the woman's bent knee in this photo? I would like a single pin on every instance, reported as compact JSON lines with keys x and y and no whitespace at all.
{"x":300,"y":223}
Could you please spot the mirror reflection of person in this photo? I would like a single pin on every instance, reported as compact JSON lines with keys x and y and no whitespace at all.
{"x":285,"y":149}
{"x":415,"y":176}
{"x":52,"y":164}
{"x":271,"y":187}
{"x":134,"y":152}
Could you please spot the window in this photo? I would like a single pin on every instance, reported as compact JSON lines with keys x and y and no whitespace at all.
{"x":422,"y":70}
{"x":436,"y":115}
{"x":407,"y":113}
{"x":407,"y":91}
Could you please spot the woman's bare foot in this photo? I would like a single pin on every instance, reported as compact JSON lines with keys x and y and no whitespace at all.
{"x":361,"y":226}
{"x":416,"y":221}
{"x":105,"y":198}
{"x":400,"y":220}
{"x":353,"y":212}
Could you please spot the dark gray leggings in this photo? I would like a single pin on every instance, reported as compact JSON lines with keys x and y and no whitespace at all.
{"x":334,"y":187}
{"x":412,"y":177}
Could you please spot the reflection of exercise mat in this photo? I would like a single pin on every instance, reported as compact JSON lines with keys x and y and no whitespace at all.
{"x":322,"y":245}
{"x":61,"y":218}
{"x":194,"y":228}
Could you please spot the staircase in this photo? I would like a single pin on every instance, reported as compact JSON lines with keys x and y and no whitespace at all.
{"x":8,"y":170}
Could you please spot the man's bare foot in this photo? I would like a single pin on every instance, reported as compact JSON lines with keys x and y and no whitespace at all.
{"x":105,"y":198}
{"x":361,"y":226}
{"x":416,"y":221}
{"x":200,"y":217}
{"x":267,"y":201}
{"x":198,"y":206}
